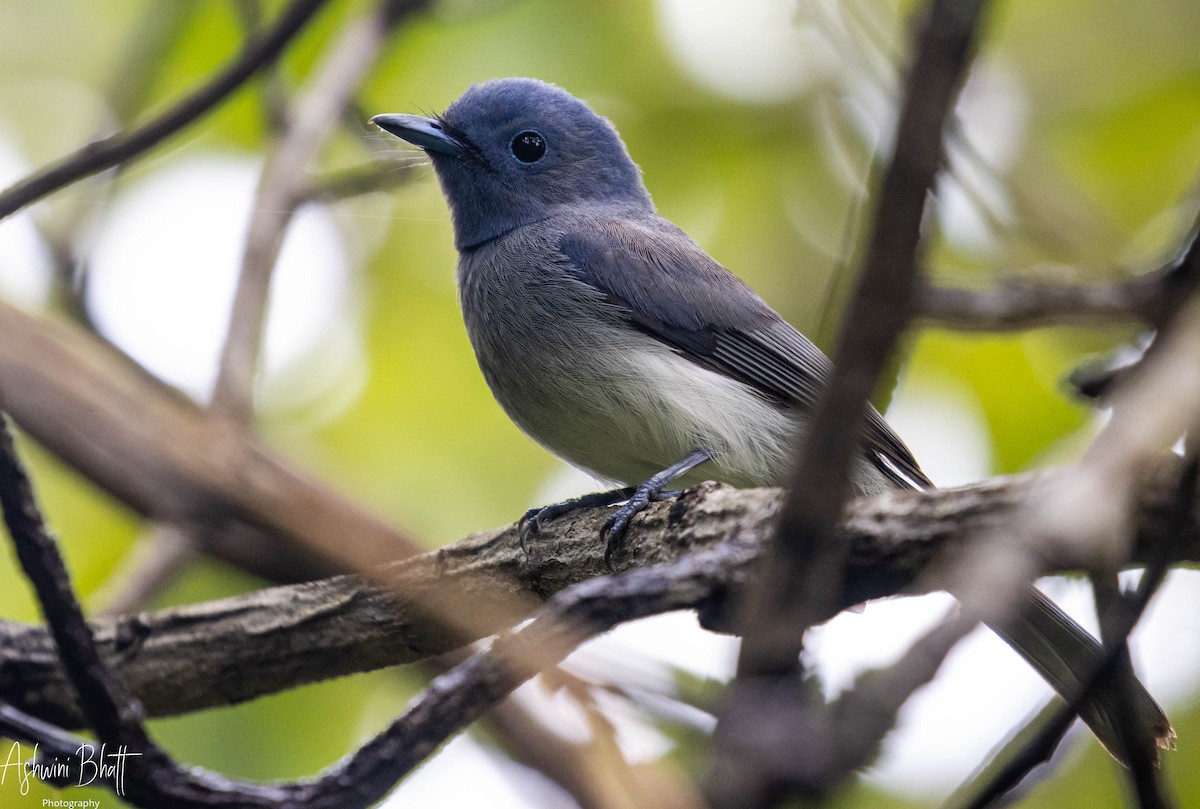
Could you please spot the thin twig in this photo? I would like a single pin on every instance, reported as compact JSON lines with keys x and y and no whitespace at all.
{"x":1032,"y":745}
{"x":308,"y":123}
{"x":1151,"y":298}
{"x":115,"y":149}
{"x":161,"y":555}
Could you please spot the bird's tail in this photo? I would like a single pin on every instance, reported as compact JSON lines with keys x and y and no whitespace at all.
{"x":1067,"y":656}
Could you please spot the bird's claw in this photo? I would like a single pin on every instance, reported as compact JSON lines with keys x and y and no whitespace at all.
{"x":617,"y":524}
{"x":529,"y":524}
{"x":534,"y":519}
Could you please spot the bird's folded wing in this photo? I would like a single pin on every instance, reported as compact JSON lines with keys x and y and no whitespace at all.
{"x":657,"y":278}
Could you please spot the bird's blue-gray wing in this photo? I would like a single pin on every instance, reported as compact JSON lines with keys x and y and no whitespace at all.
{"x":669,"y":288}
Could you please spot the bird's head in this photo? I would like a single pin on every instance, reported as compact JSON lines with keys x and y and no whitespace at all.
{"x":511,"y":152}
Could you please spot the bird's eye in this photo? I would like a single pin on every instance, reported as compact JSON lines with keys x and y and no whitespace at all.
{"x":528,"y":147}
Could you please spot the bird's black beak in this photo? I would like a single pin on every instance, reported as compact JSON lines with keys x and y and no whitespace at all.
{"x":427,"y":133}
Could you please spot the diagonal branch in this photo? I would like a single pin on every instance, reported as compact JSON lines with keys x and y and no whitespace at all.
{"x":800,"y":577}
{"x":107,"y":706}
{"x":116,"y":149}
{"x":163,"y":456}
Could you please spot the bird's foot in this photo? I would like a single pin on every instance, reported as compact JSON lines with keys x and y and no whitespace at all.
{"x":616,"y":525}
{"x":533,"y":520}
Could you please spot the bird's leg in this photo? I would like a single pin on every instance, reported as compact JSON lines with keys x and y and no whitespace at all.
{"x":535,"y":518}
{"x":650,"y":490}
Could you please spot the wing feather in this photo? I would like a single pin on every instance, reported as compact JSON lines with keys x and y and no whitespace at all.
{"x":666,"y":286}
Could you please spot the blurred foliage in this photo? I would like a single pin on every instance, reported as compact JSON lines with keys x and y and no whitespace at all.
{"x":1100,"y":175}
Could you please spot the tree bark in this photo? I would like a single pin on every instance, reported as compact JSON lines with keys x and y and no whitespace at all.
{"x":228,"y":651}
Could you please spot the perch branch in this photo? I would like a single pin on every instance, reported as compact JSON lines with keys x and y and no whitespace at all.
{"x":190,"y":658}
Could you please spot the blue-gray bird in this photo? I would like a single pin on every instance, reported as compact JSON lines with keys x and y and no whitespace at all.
{"x":617,"y":343}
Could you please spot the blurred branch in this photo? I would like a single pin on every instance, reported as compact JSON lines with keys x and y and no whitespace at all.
{"x":163,"y":552}
{"x":590,"y":779}
{"x":799,"y":578}
{"x":281,"y":190}
{"x":796,"y":578}
{"x":1018,"y":304}
{"x":196,"y":657}
{"x":251,"y":14}
{"x":166,"y":458}
{"x":1151,"y":298}
{"x":115,"y":149}
{"x":377,"y":175}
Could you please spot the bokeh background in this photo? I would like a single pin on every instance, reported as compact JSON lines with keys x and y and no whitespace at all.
{"x":759,"y":125}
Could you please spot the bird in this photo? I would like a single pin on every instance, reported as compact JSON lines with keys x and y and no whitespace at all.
{"x":616,"y":342}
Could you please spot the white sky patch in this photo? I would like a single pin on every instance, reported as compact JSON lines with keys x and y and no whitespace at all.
{"x":757,"y":51}
{"x":993,"y":118}
{"x":674,"y":639}
{"x":26,"y":267}
{"x":465,"y":774}
{"x":982,"y":691}
{"x":942,"y":423}
{"x":165,"y":265}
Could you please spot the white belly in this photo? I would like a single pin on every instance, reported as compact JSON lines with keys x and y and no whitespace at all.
{"x":626,"y":414}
